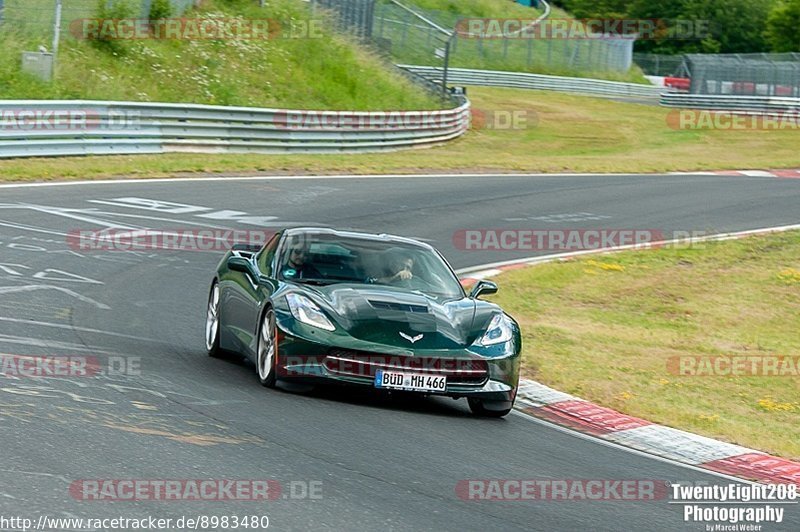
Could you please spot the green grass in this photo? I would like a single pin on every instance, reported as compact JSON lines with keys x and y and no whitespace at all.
{"x":603,"y":328}
{"x":564,"y":133}
{"x":309,"y":73}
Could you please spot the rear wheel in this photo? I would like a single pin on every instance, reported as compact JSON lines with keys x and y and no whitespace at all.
{"x":267,"y":350}
{"x":212,"y":323}
{"x":483,"y":408}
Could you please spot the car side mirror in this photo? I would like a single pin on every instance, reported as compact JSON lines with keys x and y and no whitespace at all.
{"x":239,"y":264}
{"x":483,"y":288}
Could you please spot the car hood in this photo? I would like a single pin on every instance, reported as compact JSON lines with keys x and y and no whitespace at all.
{"x":401,"y":318}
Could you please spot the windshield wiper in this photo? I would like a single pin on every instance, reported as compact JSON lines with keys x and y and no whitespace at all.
{"x":315,"y":281}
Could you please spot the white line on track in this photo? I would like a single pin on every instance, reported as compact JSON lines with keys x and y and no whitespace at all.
{"x":76,"y":214}
{"x":75,"y":328}
{"x":36,"y":287}
{"x":35,"y":342}
{"x":32,"y":228}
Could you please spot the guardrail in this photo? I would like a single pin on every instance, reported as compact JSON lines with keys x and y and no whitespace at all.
{"x":40,"y":128}
{"x":775,"y":104}
{"x":523,"y":80}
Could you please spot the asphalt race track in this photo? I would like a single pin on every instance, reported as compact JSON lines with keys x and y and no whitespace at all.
{"x":173,"y":413}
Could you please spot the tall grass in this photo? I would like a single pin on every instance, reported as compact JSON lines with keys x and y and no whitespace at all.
{"x":305,"y":73}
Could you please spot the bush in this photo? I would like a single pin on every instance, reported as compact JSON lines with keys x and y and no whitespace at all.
{"x":160,"y":9}
{"x":114,"y":9}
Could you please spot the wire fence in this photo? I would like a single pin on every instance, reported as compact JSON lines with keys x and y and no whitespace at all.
{"x":358,"y":18}
{"x":353,"y":17}
{"x":409,"y":40}
{"x":660,"y":64}
{"x":744,"y":74}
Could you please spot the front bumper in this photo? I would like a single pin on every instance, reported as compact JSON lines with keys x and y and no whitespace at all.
{"x":309,"y":354}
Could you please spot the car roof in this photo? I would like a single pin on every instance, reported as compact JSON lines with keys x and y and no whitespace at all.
{"x":378,"y":237}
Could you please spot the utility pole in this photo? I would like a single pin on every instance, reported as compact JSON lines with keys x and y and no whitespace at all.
{"x":56,"y":34}
{"x":447,"y":47}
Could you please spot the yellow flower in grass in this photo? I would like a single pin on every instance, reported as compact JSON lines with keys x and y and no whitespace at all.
{"x":624,"y":396}
{"x":606,"y":266}
{"x":767,"y":404}
{"x":789,"y":276}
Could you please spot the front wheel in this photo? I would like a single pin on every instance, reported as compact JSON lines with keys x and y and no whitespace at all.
{"x":212,"y":323}
{"x":483,"y":408}
{"x":267,"y":350}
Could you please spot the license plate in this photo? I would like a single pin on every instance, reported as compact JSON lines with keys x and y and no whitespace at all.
{"x":416,"y":382}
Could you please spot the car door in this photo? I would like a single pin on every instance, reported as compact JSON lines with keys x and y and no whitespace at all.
{"x":242,"y":298}
{"x":259,"y":292}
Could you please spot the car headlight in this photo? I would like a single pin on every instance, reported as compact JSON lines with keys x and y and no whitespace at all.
{"x":498,"y":332}
{"x":304,"y":310}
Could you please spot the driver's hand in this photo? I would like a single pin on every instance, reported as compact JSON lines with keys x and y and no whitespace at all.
{"x":404,"y":275}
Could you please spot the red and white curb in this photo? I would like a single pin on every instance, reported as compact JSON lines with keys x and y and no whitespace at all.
{"x":780,"y":174}
{"x":563,"y":409}
{"x":607,"y":424}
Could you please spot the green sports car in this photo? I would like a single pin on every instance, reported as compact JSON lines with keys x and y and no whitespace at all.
{"x":319,"y":305}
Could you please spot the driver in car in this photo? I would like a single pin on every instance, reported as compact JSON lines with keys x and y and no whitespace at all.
{"x":403,"y":268}
{"x":297,"y":267}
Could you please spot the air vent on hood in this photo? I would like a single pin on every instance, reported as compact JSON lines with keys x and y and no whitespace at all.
{"x":390,"y":305}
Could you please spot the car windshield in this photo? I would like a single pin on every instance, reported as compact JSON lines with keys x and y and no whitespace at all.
{"x":318,"y":258}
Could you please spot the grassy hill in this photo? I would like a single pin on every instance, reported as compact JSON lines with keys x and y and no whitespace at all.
{"x":326,"y":72}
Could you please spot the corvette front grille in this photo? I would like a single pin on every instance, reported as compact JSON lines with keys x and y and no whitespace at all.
{"x":459,"y":372}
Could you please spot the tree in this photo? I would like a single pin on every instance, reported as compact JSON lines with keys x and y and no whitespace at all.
{"x":596,"y":8}
{"x":783,"y":27}
{"x":710,"y":26}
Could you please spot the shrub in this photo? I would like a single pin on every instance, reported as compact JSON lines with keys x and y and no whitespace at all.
{"x":160,"y":9}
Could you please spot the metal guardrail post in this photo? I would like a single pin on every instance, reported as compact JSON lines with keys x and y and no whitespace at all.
{"x":447,"y":47}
